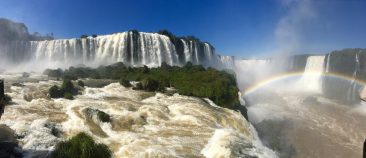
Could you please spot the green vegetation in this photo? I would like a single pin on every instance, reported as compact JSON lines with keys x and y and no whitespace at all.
{"x":66,"y":91}
{"x":125,"y":83}
{"x":149,"y":84}
{"x":191,"y":80}
{"x":55,"y":92}
{"x":81,"y":146}
{"x":69,"y":96}
{"x":81,"y":83}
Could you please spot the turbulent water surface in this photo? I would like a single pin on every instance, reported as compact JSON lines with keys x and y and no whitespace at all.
{"x":143,"y":124}
{"x":293,"y":117}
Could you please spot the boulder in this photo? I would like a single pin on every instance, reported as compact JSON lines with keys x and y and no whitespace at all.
{"x":363,"y":94}
{"x":2,"y":97}
{"x":8,"y":144}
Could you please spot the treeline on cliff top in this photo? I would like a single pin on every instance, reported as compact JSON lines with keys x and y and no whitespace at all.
{"x":190,"y":80}
{"x":15,"y":31}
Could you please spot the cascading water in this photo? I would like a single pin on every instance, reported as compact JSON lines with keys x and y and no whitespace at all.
{"x":328,"y":62}
{"x":353,"y":85}
{"x":227,"y":61}
{"x":132,"y":47}
{"x":311,"y":78}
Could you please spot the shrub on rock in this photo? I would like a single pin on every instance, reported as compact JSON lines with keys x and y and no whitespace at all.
{"x":81,"y":83}
{"x":66,"y":91}
{"x":125,"y":83}
{"x":55,"y":92}
{"x":149,"y":84}
{"x":68,"y":87}
{"x":68,"y":96}
{"x":81,"y":146}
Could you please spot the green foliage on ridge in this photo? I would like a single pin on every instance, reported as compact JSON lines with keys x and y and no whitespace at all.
{"x":191,"y":80}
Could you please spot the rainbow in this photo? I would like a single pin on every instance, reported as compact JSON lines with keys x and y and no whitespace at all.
{"x":280,"y":77}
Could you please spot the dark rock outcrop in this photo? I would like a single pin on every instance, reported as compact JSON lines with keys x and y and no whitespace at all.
{"x":8,"y":144}
{"x":298,"y":63}
{"x":2,"y":97}
{"x":350,"y":63}
{"x":243,"y":110}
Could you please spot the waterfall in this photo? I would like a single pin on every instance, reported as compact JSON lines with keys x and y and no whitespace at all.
{"x":132,"y":48}
{"x":311,"y":78}
{"x":353,"y":85}
{"x":186,"y":50}
{"x":227,"y":61}
{"x":328,"y":62}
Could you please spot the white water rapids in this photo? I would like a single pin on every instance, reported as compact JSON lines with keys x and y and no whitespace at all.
{"x":143,"y":124}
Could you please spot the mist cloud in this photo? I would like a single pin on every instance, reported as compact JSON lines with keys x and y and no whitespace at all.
{"x":288,"y":32}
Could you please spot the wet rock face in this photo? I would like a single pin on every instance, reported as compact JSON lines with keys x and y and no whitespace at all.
{"x":298,"y":63}
{"x":8,"y":144}
{"x":347,"y":62}
{"x":2,"y":104}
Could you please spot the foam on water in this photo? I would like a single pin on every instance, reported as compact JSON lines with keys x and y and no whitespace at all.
{"x":144,"y":124}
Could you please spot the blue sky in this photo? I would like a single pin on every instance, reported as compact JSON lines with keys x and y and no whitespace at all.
{"x":244,"y":28}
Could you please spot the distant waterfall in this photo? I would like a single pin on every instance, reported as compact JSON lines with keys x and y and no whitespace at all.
{"x":227,"y":61}
{"x":132,"y":48}
{"x":328,"y":62}
{"x":353,"y":85}
{"x":312,"y":76}
{"x":349,"y":63}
